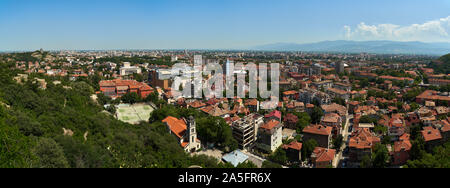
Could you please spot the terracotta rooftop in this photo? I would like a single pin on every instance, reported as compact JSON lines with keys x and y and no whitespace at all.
{"x":293,"y":145}
{"x":403,"y":143}
{"x":323,"y":154}
{"x":177,"y":126}
{"x":251,"y":102}
{"x":331,"y":118}
{"x":270,"y":125}
{"x":362,"y":138}
{"x":342,"y":110}
{"x":318,"y":129}
{"x":432,"y":95}
{"x":338,"y":91}
{"x":290,"y":92}
{"x":430,"y":134}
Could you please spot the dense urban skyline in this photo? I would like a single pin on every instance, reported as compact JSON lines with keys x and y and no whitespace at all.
{"x":59,"y":25}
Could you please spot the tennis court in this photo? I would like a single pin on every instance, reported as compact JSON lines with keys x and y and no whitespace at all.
{"x":133,"y":114}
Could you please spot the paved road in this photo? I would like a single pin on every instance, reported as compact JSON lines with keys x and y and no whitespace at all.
{"x":345,"y":133}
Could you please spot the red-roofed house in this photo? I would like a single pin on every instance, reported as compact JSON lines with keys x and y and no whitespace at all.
{"x":274,"y":115}
{"x":292,"y":95}
{"x":270,"y":136}
{"x":361,"y":143}
{"x":432,"y":137}
{"x":333,"y":120}
{"x":293,"y":151}
{"x":320,"y":133}
{"x":323,"y":157}
{"x":401,"y":150}
{"x":252,"y":105}
{"x":445,"y":130}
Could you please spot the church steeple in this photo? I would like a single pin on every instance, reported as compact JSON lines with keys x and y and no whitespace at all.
{"x":192,"y":133}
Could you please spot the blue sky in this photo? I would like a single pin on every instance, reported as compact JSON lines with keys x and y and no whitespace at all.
{"x":224,"y":24}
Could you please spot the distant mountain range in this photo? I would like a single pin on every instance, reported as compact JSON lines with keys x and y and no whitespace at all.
{"x":378,"y":47}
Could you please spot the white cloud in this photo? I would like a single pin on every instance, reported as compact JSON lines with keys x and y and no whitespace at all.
{"x":431,"y":31}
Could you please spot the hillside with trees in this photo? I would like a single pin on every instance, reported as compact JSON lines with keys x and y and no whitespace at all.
{"x":62,"y":127}
{"x":442,"y":65}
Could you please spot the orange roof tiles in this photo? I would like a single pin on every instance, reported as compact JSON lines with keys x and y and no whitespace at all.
{"x":403,"y":143}
{"x":270,"y":125}
{"x":338,"y":91}
{"x":293,"y":145}
{"x":323,"y":154}
{"x":290,"y":93}
{"x":177,"y":126}
{"x":363,"y":139}
{"x":432,"y":95}
{"x":318,"y":129}
{"x":430,"y":134}
{"x":251,"y":102}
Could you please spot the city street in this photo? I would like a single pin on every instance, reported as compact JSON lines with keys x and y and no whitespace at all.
{"x":345,"y":133}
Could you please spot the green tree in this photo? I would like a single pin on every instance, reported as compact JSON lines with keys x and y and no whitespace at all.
{"x":50,"y":154}
{"x":366,"y":162}
{"x":103,"y":99}
{"x":380,"y":156}
{"x":308,"y":148}
{"x":216,"y":130}
{"x":268,"y":164}
{"x":15,"y":148}
{"x":316,"y":115}
{"x":337,"y":142}
{"x":303,"y":120}
{"x":130,"y":98}
{"x":339,"y":101}
{"x":417,"y":149}
{"x":279,"y":156}
{"x":247,"y":164}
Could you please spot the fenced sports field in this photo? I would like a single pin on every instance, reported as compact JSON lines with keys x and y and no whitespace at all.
{"x":133,"y":114}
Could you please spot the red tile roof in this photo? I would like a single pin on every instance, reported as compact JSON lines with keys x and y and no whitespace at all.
{"x":274,"y":113}
{"x":363,"y":139}
{"x":403,"y":143}
{"x":251,"y":102}
{"x":318,"y":129}
{"x":177,"y":126}
{"x":290,"y":93}
{"x":430,"y":134}
{"x":324,"y":154}
{"x":293,"y":145}
{"x":270,"y":125}
{"x":432,"y":95}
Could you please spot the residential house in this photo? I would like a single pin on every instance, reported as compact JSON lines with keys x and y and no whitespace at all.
{"x":432,"y":137}
{"x":274,"y":115}
{"x":333,"y":120}
{"x":252,"y":105}
{"x":401,"y":151}
{"x":361,"y":143}
{"x":323,"y":157}
{"x":321,"y":134}
{"x":293,"y":151}
{"x":337,"y":93}
{"x":270,"y":136}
